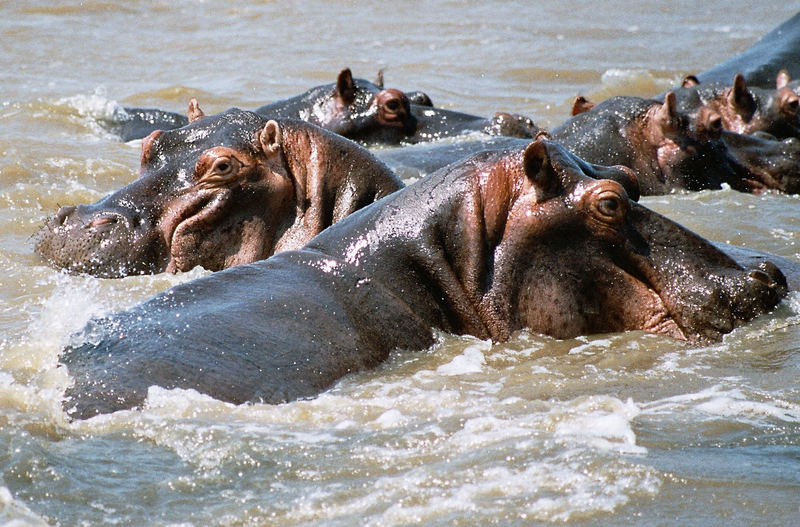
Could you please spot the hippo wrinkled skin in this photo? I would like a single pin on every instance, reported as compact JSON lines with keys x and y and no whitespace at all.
{"x":224,"y":190}
{"x":505,"y":240}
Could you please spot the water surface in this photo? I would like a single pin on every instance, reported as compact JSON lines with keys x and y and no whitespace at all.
{"x":620,"y":429}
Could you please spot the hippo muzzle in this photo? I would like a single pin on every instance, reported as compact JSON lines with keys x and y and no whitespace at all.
{"x":104,"y":242}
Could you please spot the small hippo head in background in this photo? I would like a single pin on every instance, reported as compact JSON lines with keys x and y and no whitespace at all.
{"x":668,"y":148}
{"x":354,"y":108}
{"x":224,"y":190}
{"x":747,"y":110}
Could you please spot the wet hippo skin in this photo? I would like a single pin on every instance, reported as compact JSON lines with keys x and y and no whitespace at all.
{"x":354,"y":108}
{"x":523,"y":238}
{"x":224,"y":190}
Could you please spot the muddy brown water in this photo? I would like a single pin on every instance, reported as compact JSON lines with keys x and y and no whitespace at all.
{"x":620,"y":429}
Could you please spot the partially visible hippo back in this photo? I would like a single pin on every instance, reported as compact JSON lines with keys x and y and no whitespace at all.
{"x":760,"y":63}
{"x":354,"y":108}
{"x":224,"y":190}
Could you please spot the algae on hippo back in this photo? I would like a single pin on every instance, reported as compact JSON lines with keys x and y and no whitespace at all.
{"x":523,"y":238}
{"x":224,"y":190}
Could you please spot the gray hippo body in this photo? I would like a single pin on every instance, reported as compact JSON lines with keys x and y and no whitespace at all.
{"x":760,"y":63}
{"x":505,"y":240}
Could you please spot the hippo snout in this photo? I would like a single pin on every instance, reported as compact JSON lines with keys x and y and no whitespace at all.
{"x":109,"y":243}
{"x":63,"y":213}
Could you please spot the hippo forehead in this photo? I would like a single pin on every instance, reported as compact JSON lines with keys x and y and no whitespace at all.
{"x":179,"y":149}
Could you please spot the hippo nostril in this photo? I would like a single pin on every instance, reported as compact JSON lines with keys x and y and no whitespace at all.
{"x":774,"y":277}
{"x":762,"y":277}
{"x":103,"y":220}
{"x":63,"y":213}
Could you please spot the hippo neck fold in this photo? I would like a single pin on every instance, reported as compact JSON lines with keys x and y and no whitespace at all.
{"x":441,"y":233}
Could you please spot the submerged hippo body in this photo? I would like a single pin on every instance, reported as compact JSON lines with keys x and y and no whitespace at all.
{"x":501,"y":241}
{"x":224,"y":190}
{"x":438,"y":123}
{"x":354,"y":108}
{"x":760,"y":63}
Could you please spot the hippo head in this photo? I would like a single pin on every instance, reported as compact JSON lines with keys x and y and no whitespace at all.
{"x":364,"y":112}
{"x":211,"y":193}
{"x":749,"y":110}
{"x":565,"y":253}
{"x":764,"y":163}
{"x":689,"y":149}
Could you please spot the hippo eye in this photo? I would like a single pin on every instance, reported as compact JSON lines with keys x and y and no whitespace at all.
{"x":608,"y":206}
{"x":222,"y":166}
{"x":393,"y":105}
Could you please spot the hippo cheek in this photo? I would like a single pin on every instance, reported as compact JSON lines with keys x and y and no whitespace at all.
{"x":593,"y":296}
{"x":105,"y":244}
{"x":215,"y":234}
{"x":705,"y":292}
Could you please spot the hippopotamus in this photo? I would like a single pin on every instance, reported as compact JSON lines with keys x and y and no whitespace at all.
{"x":666,"y":147}
{"x":743,"y":109}
{"x":670,"y":147}
{"x":224,"y":190}
{"x":520,"y":238}
{"x":760,"y":63}
{"x":354,"y":108}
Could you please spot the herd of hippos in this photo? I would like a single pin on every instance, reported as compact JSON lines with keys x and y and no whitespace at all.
{"x":327,"y":262}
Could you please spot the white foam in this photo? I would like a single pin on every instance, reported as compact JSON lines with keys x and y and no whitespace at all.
{"x":14,"y":513}
{"x":471,"y":360}
{"x":734,"y":404}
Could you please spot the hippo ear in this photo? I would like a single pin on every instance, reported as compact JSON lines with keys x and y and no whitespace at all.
{"x":379,"y":79}
{"x":194,"y":112}
{"x":345,"y":86}
{"x":270,"y":137}
{"x":581,"y":105}
{"x":690,"y":81}
{"x":668,"y":114}
{"x":740,"y":96}
{"x":537,"y":166}
{"x":783,"y":79}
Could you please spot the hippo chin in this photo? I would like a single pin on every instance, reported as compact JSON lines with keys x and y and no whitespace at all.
{"x":224,"y":190}
{"x":505,"y":240}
